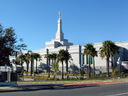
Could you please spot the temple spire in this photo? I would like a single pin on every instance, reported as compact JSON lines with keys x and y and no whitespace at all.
{"x":59,"y":34}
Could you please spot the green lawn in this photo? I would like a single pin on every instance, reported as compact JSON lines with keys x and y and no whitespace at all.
{"x":72,"y":81}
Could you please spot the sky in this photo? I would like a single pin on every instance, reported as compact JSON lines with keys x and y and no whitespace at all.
{"x":83,"y":21}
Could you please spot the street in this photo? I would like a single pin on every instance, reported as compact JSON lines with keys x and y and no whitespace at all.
{"x":94,"y":90}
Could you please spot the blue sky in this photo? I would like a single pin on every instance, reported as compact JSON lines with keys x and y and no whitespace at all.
{"x":84,"y":21}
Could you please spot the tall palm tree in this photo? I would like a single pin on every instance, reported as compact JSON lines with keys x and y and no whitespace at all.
{"x":88,"y":50}
{"x":67,"y":58}
{"x":108,"y":50}
{"x":32,"y":63}
{"x":61,"y":58}
{"x":37,"y":57}
{"x":27,"y":60}
{"x":93,"y":54}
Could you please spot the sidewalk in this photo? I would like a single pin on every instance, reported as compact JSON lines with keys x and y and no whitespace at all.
{"x":28,"y":87}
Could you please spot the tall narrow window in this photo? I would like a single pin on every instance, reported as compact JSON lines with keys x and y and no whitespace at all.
{"x":91,"y":60}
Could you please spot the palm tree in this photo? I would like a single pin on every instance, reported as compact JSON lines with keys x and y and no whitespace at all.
{"x":32,"y":63}
{"x":93,"y":54}
{"x":54,"y":56}
{"x":48,"y":56}
{"x":61,"y":58}
{"x":67,"y":58}
{"x":21,"y":59}
{"x":27,"y":60}
{"x":89,"y":51}
{"x":55,"y":68}
{"x":54,"y":63}
{"x":37,"y":57}
{"x":108,"y":50}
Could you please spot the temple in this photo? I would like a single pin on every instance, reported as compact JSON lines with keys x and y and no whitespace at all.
{"x":79,"y":61}
{"x":59,"y":40}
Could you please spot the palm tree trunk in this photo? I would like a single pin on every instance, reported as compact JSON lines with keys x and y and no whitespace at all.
{"x":93,"y":66}
{"x":27,"y":67}
{"x":49,"y":68}
{"x":67,"y":69}
{"x":112,"y":66}
{"x":107,"y":66}
{"x":120,"y":69}
{"x":62,"y":71}
{"x":89,"y":68}
{"x":36,"y":66}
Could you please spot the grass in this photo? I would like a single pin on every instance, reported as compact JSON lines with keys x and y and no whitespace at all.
{"x":73,"y":81}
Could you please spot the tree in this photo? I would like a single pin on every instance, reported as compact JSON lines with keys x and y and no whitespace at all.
{"x":48,"y":56}
{"x":67,"y":58}
{"x":91,"y":52}
{"x":55,"y":68}
{"x":37,"y":57}
{"x":108,"y":50}
{"x":27,"y":60}
{"x":61,"y":58}
{"x":21,"y":59}
{"x":8,"y":44}
{"x":54,"y":56}
{"x":32,"y":63}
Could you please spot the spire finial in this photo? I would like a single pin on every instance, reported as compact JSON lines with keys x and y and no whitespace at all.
{"x":59,"y":14}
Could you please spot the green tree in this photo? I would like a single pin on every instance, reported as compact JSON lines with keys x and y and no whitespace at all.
{"x":8,"y":44}
{"x":108,"y":50}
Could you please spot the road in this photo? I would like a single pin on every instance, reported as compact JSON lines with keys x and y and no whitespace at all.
{"x":95,"y":90}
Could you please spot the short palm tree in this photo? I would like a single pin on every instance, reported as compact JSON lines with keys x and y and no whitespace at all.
{"x":48,"y":56}
{"x":55,"y":68}
{"x":54,"y":63}
{"x":54,"y":56}
{"x":89,"y":50}
{"x":21,"y":59}
{"x":108,"y":50}
{"x":61,"y":58}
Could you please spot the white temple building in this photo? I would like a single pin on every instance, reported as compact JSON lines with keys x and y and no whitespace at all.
{"x":79,"y":60}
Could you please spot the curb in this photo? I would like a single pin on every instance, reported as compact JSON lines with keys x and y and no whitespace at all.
{"x":96,"y":83}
